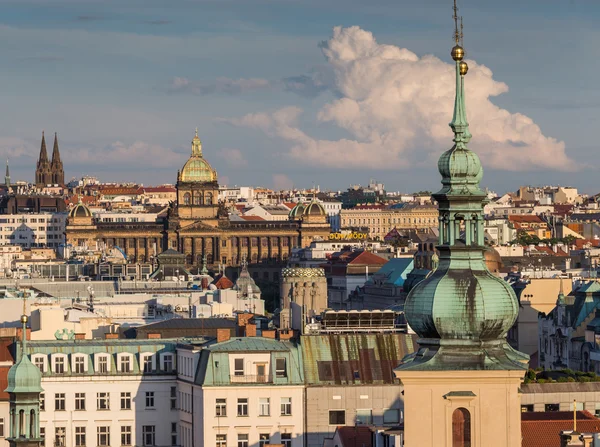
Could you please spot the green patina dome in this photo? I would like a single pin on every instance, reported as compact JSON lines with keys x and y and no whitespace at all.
{"x":459,"y":166}
{"x":80,"y":210}
{"x":314,"y":208}
{"x":297,"y":211}
{"x":24,"y":377}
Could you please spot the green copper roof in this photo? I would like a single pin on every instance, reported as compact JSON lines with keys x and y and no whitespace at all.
{"x":24,"y":376}
{"x":461,"y":311}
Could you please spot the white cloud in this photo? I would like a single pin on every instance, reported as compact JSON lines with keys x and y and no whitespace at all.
{"x":395,"y":107}
{"x":282,"y":181}
{"x":220,"y":85}
{"x":233,"y":157}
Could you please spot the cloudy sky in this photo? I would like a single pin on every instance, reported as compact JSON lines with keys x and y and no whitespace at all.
{"x":296,"y":92}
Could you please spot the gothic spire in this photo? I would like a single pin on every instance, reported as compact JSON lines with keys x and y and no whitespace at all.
{"x":43,"y":152}
{"x":55,"y":151}
{"x":7,"y":176}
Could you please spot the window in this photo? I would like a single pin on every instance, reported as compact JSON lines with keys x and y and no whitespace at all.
{"x":168,"y":362}
{"x":263,"y":439}
{"x":242,"y":440}
{"x":149,"y":399}
{"x":126,"y":435}
{"x":39,"y":362}
{"x":79,"y":436}
{"x":42,"y":401}
{"x":126,"y":401}
{"x":173,"y":398}
{"x":242,"y":407}
{"x":238,"y":367}
{"x":280,"y":370}
{"x":286,"y":439}
{"x":221,"y":408}
{"x":148,"y":434}
{"x":102,"y":364}
{"x":79,"y":365}
{"x":59,"y":365}
{"x":43,"y":435}
{"x":391,"y":416}
{"x":551,"y":407}
{"x":286,"y":406}
{"x":147,"y":362}
{"x":221,"y":441}
{"x":125,"y":364}
{"x":102,"y":400}
{"x":173,"y":433}
{"x":59,"y":437}
{"x":364,"y":417}
{"x":264,"y":406}
{"x":103,"y":436}
{"x":461,"y":428}
{"x":337,"y":417}
{"x":80,"y":401}
{"x":528,"y":408}
{"x":1,"y":427}
{"x":59,"y":402}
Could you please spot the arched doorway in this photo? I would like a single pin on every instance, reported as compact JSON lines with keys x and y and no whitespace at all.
{"x":461,"y":428}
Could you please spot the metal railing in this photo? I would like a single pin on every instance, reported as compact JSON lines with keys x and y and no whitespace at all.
{"x":263,"y":378}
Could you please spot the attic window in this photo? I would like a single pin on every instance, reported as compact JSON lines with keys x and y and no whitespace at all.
{"x":280,"y":370}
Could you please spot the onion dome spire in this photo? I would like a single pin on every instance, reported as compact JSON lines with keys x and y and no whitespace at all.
{"x":461,"y":311}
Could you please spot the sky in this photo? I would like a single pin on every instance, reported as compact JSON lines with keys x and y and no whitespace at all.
{"x":291,"y":93}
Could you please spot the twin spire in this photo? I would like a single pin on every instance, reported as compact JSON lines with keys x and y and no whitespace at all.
{"x":49,"y":172}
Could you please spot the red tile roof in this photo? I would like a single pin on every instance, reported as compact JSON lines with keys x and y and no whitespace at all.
{"x":223,"y":283}
{"x":358,"y":436}
{"x":290,"y":205}
{"x":522,"y":218}
{"x":542,"y":429}
{"x":367,"y":258}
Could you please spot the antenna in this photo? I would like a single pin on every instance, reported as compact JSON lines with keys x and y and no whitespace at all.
{"x":457,"y":35}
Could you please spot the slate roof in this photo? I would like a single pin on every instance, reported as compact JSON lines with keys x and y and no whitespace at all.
{"x":189,"y":323}
{"x":542,"y":429}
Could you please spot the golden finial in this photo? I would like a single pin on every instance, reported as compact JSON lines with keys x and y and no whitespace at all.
{"x":457,"y":52}
{"x":24,"y":315}
{"x":196,"y":132}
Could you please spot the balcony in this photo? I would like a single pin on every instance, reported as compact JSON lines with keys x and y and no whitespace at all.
{"x":264,"y":378}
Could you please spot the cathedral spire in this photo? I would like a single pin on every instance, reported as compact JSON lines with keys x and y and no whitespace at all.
{"x":7,"y":176}
{"x":43,"y":152}
{"x":58,"y":172}
{"x":55,"y":151}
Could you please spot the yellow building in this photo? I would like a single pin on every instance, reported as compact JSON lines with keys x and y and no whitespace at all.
{"x":381,"y":219}
{"x":197,"y":225}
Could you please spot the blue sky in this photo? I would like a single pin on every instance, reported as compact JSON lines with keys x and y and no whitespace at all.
{"x":125,"y":83}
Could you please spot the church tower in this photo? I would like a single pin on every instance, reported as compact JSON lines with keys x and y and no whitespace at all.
{"x":461,"y":388}
{"x":7,"y":177}
{"x":43,"y":172}
{"x":24,"y":388}
{"x":58,"y":172}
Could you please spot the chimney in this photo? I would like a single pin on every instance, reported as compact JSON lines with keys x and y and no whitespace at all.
{"x":223,"y":334}
{"x":111,"y":336}
{"x":243,"y":319}
{"x":80,"y":336}
{"x":154,"y":335}
{"x":288,"y":334}
{"x":251,"y":330}
{"x":269,"y":333}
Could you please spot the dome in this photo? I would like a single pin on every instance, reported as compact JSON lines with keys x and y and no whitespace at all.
{"x":470,"y":304}
{"x":493,"y":260}
{"x":24,"y":377}
{"x":460,"y":166}
{"x":80,"y":210}
{"x":297,"y":211}
{"x":314,"y":208}
{"x":197,"y":169}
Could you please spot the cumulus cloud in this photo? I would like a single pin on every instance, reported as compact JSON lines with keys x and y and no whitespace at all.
{"x":233,"y":157}
{"x":220,"y":85}
{"x":395,"y":107}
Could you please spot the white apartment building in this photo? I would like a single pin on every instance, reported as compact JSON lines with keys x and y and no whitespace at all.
{"x":9,"y":254}
{"x":248,"y":392}
{"x":33,"y":230}
{"x":234,"y":194}
{"x":107,"y":392}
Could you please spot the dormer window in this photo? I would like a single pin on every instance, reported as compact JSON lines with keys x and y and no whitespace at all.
{"x":238,"y":367}
{"x":167,"y":362}
{"x":280,"y":369}
{"x":59,"y":365}
{"x":101,"y":363}
{"x":125,"y":363}
{"x":79,"y":364}
{"x":147,"y":363}
{"x":40,"y":362}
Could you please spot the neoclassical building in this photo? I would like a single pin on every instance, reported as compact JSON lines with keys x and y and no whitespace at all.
{"x":197,"y":225}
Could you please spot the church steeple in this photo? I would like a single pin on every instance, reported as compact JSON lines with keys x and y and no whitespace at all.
{"x":7,"y":176}
{"x":461,"y":314}
{"x":43,"y":173}
{"x":24,"y":388}
{"x":58,"y":173}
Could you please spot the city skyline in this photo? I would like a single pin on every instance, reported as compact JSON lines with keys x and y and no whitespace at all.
{"x":275,"y":108}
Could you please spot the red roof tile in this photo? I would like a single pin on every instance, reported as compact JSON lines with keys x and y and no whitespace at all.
{"x":542,"y":429}
{"x":368,"y":258}
{"x":290,"y":205}
{"x":530,"y":218}
{"x":223,"y":283}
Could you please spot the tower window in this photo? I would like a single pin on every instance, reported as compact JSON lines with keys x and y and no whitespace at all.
{"x":461,"y":428}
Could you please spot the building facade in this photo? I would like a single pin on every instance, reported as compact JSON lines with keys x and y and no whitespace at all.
{"x":33,"y":230}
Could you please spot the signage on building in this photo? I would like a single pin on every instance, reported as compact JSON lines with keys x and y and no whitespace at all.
{"x":347,"y":236}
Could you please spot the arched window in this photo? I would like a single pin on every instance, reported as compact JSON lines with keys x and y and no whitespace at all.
{"x":32,"y":431}
{"x":209,"y":198}
{"x":461,"y":428}
{"x":187,"y":197}
{"x":197,"y":198}
{"x":22,"y":423}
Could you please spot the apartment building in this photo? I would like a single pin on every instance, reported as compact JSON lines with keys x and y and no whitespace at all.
{"x":33,"y":230}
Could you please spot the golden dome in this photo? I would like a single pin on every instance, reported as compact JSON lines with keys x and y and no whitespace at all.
{"x":463,"y":67}
{"x":80,"y":210}
{"x":458,"y":53}
{"x":197,"y":169}
{"x":493,"y":260}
